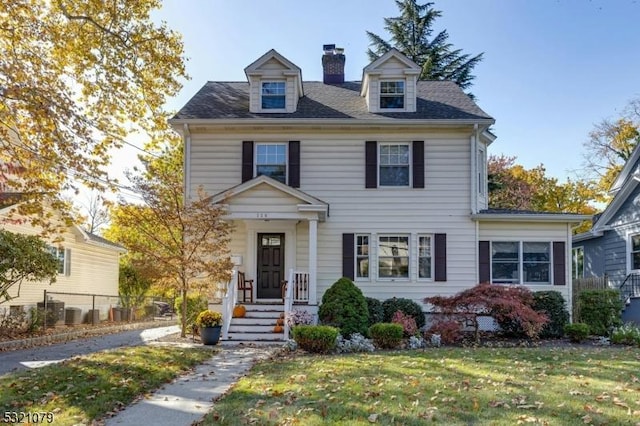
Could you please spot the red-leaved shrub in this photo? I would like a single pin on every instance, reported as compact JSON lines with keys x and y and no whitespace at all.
{"x":449,"y":330}
{"x":407,"y":322}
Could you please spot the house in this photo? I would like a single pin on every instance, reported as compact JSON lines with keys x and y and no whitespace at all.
{"x":611,"y":248}
{"x":88,"y":265}
{"x":382,"y":180}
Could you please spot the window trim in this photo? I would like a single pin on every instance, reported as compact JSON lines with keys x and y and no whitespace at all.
{"x":521,"y":263}
{"x":409,"y":164}
{"x":357,"y":256}
{"x":286,"y":159}
{"x":393,"y":95}
{"x":408,"y":257}
{"x":62,"y":261}
{"x":431,"y":257}
{"x":630,"y":252}
{"x":283,"y":95}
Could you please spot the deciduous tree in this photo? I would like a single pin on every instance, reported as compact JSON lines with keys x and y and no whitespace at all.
{"x":412,"y":34}
{"x":180,"y":243}
{"x":24,"y":258}
{"x":76,"y":78}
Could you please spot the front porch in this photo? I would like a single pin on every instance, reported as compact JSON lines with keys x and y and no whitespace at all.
{"x":261,"y":318}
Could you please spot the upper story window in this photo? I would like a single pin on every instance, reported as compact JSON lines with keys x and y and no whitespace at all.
{"x":391,"y":94}
{"x":634,"y":252}
{"x":514,"y":262}
{"x":273,"y":95}
{"x":271,"y":160}
{"x":393,"y":256}
{"x":394,"y":164}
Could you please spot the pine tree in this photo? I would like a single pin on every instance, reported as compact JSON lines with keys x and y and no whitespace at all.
{"x":412,"y":35}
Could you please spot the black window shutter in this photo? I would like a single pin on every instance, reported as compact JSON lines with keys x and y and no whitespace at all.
{"x":484,"y":262}
{"x":559,"y":266}
{"x":418,"y":164}
{"x":440,"y":249}
{"x":371,"y":164}
{"x":348,"y":260}
{"x":247,"y":161}
{"x":294,"y":164}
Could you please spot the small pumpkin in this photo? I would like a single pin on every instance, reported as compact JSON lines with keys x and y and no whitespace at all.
{"x":277,"y":329}
{"x":239,"y":311}
{"x":280,"y":321}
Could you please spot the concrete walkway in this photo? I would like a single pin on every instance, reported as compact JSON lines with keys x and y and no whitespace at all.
{"x":190,"y":397}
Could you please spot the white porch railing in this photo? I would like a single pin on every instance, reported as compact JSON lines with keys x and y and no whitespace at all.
{"x":229,"y":301}
{"x":296,"y":290}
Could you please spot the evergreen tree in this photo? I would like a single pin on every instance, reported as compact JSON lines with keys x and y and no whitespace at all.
{"x":412,"y":35}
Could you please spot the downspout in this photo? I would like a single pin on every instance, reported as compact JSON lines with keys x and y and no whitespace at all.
{"x":186,"y":137}
{"x":474,"y":169}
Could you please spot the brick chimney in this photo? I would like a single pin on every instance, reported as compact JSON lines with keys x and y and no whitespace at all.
{"x":333,"y":64}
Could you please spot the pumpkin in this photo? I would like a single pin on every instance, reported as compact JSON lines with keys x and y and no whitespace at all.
{"x":277,"y":329}
{"x":239,"y":311}
{"x":280,"y":321}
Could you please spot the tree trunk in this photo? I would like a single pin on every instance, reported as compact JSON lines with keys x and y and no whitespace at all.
{"x":183,"y":319}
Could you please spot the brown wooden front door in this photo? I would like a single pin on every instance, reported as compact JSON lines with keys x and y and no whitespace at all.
{"x":270,"y":266}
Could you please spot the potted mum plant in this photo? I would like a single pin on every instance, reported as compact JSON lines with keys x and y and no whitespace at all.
{"x":210,"y":325}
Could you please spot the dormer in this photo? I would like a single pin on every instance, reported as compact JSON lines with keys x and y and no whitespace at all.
{"x":275,"y":84}
{"x":389,"y":83}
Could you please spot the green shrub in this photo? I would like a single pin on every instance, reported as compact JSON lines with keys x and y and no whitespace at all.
{"x":344,"y":306}
{"x":386,"y":335}
{"x":319,"y":339}
{"x":577,"y":331}
{"x":601,"y":310}
{"x":627,"y":334}
{"x":376,"y":313}
{"x":409,"y":307}
{"x":195,"y":305}
{"x":552,"y":304}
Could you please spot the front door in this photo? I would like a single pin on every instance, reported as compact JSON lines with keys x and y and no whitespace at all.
{"x":270,"y":266}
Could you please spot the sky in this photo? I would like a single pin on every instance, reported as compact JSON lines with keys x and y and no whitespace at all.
{"x":552,"y":69}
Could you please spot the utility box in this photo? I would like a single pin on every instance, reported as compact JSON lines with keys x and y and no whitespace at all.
{"x":72,"y":316}
{"x":55,"y":311}
{"x":93,"y":316}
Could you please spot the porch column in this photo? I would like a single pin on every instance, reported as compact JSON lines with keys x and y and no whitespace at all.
{"x":313,"y":260}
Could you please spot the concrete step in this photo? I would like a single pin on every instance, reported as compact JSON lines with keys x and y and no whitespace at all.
{"x":253,"y":321}
{"x":262,"y":314}
{"x":255,"y":337}
{"x":264,"y":307}
{"x":251,"y":328}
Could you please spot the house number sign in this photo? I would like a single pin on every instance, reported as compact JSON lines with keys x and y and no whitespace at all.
{"x":262,"y":215}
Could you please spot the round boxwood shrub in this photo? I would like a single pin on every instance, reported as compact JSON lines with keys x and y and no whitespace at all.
{"x":376,"y":313}
{"x":577,"y":332}
{"x":407,"y":306}
{"x":552,"y":304}
{"x":319,"y":339}
{"x":386,"y":335}
{"x":345,"y":307}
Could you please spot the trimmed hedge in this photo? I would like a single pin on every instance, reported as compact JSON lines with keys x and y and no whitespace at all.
{"x":320,"y":339}
{"x":577,"y":331}
{"x":386,"y":335}
{"x":345,"y":307}
{"x":552,"y":304}
{"x":408,"y":306}
{"x":601,"y":310}
{"x":376,"y":313}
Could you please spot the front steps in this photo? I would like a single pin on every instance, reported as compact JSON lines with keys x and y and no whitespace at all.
{"x":257,"y":325}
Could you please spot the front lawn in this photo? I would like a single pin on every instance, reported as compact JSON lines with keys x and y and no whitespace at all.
{"x":450,"y":386}
{"x":82,"y":389}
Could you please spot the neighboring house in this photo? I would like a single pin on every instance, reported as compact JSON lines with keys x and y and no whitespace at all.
{"x":612,"y":247}
{"x":88,"y":264}
{"x":382,"y":180}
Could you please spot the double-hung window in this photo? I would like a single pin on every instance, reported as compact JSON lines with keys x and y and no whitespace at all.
{"x":634,"y":252}
{"x":392,"y":94}
{"x":393,"y":256}
{"x":59,"y":254}
{"x":273,"y":95}
{"x":577,"y":256}
{"x":271,"y":160}
{"x":515,"y":262}
{"x":424,"y":256}
{"x":362,"y":256}
{"x":394,"y":164}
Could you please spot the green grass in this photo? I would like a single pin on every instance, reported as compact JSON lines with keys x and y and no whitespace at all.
{"x":83,"y":389}
{"x":450,"y":386}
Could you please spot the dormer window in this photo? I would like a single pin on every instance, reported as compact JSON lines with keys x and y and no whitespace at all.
{"x":273,"y":95}
{"x":391,"y":94}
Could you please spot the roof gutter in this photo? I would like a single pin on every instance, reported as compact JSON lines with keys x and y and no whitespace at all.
{"x":524,"y":217}
{"x":301,"y":122}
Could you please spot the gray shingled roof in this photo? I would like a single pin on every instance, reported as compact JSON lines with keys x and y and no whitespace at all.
{"x":98,"y":239}
{"x":437,"y":100}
